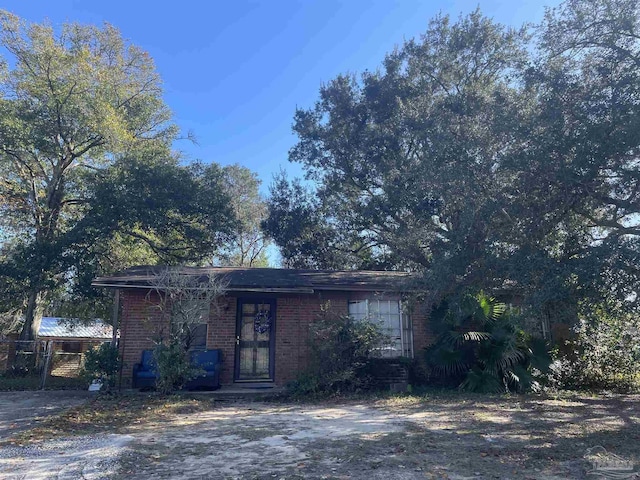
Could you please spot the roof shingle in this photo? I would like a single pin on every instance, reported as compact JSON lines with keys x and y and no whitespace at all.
{"x":271,"y":279}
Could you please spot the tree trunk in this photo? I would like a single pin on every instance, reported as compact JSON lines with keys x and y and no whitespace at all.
{"x":33,"y":315}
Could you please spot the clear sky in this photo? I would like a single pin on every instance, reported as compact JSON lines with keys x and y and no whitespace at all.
{"x":234,"y":71}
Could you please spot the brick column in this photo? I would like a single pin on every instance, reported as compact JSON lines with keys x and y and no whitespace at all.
{"x":222,"y":335}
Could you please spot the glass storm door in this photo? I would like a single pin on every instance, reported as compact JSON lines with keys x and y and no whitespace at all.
{"x":255,"y":340}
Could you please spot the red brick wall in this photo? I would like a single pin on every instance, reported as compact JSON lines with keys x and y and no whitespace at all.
{"x":293,"y":315}
{"x":222,"y":334}
{"x":423,"y":336}
{"x":141,"y":319}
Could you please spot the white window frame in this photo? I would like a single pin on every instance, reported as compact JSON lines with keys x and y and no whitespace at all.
{"x":406,"y":333}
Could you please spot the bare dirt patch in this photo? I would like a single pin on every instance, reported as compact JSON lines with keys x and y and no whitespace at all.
{"x":23,"y":410}
{"x":441,"y":436}
{"x":257,"y":441}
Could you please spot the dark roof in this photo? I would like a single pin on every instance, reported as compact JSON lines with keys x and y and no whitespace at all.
{"x":271,"y":279}
{"x":65,"y":328}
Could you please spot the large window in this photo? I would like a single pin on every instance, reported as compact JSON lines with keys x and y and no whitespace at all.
{"x":393,"y":321}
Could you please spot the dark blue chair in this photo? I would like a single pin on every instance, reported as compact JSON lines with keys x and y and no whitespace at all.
{"x":210,"y":361}
{"x":144,"y":373}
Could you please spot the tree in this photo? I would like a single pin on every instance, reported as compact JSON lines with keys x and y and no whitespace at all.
{"x":81,"y":121}
{"x":185,"y":300}
{"x":583,"y":174}
{"x":144,"y":211}
{"x":246,"y":245}
{"x":484,"y":156}
{"x":309,"y":235}
{"x":406,"y":159}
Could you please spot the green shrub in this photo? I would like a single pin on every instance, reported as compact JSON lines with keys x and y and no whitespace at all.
{"x":173,"y":366}
{"x":481,"y":348}
{"x":604,"y":353}
{"x":340,"y":351}
{"x":102,"y":364}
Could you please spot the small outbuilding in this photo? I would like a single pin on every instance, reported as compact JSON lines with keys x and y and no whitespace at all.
{"x":68,"y":340}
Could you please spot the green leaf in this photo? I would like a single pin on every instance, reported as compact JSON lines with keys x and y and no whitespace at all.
{"x":482,"y":381}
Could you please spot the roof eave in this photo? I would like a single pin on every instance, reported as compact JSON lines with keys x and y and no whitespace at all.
{"x":329,"y":288}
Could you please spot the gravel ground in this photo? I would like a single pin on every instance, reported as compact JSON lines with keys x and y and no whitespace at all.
{"x":87,"y":457}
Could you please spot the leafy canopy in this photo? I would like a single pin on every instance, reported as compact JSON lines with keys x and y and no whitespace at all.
{"x":86,"y":167}
{"x":481,"y":156}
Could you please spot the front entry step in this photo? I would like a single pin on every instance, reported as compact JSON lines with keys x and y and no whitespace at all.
{"x":254,"y":385}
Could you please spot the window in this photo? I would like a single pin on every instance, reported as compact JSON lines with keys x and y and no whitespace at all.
{"x":190,"y":317}
{"x":394,"y":323}
{"x":71,"y":347}
{"x":198,"y":337}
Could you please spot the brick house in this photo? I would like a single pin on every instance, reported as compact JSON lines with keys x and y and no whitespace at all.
{"x":262,"y":322}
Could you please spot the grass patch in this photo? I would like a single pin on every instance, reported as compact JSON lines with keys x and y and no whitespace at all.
{"x":443,"y":397}
{"x":112,"y":414}
{"x":414,"y":397}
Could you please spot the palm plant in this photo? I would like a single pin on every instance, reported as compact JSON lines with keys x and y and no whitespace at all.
{"x":481,"y":348}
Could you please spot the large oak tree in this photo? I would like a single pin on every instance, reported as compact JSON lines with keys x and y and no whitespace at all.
{"x":479,"y":155}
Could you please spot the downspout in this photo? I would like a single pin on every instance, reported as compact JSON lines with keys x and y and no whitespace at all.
{"x":121,"y":343}
{"x":115,"y":317}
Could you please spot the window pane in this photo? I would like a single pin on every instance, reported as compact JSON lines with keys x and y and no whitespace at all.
{"x":383,"y":307}
{"x":393,"y":324}
{"x":358,"y":309}
{"x":199,"y":336}
{"x":394,"y":307}
{"x":264,"y":307}
{"x":248,"y":309}
{"x":374,"y":307}
{"x":247,"y":328}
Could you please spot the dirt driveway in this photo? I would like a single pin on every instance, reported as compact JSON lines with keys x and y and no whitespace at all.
{"x":20,"y":410}
{"x":437,"y":437}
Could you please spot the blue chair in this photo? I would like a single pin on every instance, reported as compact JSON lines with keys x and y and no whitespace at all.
{"x":210,"y":361}
{"x":144,"y":373}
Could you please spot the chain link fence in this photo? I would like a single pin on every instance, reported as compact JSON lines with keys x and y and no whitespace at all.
{"x":43,"y":364}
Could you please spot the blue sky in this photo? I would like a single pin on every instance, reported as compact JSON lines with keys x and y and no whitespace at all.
{"x":235,"y":71}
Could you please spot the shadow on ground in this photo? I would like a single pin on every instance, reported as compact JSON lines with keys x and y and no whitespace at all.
{"x":454,"y":437}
